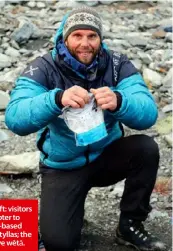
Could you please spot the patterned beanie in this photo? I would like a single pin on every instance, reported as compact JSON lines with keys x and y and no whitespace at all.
{"x":83,"y":18}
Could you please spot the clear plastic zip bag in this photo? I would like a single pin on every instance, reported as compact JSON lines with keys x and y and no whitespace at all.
{"x":87,"y":123}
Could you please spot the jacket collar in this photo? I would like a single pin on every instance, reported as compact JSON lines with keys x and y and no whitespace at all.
{"x":89,"y":72}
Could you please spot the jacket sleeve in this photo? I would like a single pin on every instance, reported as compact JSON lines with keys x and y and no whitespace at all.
{"x":32,"y":105}
{"x":138,"y":109}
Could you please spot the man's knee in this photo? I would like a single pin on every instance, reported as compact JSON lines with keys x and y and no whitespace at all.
{"x":60,"y":242}
{"x":148,"y":154}
{"x":148,"y":145}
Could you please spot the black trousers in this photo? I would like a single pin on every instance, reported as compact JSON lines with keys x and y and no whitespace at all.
{"x":134,"y":158}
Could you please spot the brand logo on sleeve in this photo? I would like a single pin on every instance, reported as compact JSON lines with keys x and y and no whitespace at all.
{"x":116,"y":59}
{"x":31,"y":70}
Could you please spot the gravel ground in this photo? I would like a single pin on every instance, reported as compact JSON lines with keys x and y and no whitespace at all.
{"x":102,"y":206}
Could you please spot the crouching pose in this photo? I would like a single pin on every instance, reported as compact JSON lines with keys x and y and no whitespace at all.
{"x":79,"y":68}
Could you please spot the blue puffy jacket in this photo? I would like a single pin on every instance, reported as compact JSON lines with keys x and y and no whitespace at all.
{"x":32,"y":106}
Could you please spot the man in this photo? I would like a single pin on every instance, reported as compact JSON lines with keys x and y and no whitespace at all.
{"x":81,"y":64}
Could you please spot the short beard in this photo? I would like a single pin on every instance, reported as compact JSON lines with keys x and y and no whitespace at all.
{"x":95,"y":53}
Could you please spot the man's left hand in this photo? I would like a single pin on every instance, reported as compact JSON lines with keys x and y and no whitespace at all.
{"x":105,"y":98}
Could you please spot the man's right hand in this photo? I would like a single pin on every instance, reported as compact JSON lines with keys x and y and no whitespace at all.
{"x":76,"y":97}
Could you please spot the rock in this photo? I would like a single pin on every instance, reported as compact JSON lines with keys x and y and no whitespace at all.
{"x":108,"y":34}
{"x":5,"y":45}
{"x":41,"y":5}
{"x":162,"y":68}
{"x":156,"y":96}
{"x":106,"y":2}
{"x":152,"y":78}
{"x":2,"y":118}
{"x":118,"y":190}
{"x":165,"y":22}
{"x":157,"y":214}
{"x":162,"y":167}
{"x":153,"y":200}
{"x":62,"y":5}
{"x":146,"y":58}
{"x":5,"y":39}
{"x":168,"y":29}
{"x":119,"y":28}
{"x":23,"y":34}
{"x":25,"y":31}
{"x":168,"y":37}
{"x":167,"y":108}
{"x":157,"y":55}
{"x":138,"y":41}
{"x":31,"y":4}
{"x":4,"y":99}
{"x":167,"y":80}
{"x":119,"y":43}
{"x":163,"y":185}
{"x":5,"y":61}
{"x":21,"y":163}
{"x":15,"y":1}
{"x":168,"y":139}
{"x":106,"y":26}
{"x":137,"y":63}
{"x":15,"y":45}
{"x":164,"y":126}
{"x":7,"y":80}
{"x":3,"y":135}
{"x":13,"y":53}
{"x":2,"y":3}
{"x":161,"y":115}
{"x":159,"y":34}
{"x":91,"y":3}
{"x":4,"y":188}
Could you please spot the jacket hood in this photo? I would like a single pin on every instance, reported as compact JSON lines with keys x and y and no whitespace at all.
{"x":86,"y":72}
{"x":59,"y":34}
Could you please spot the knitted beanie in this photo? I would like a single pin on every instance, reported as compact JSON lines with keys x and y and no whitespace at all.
{"x":83,"y":18}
